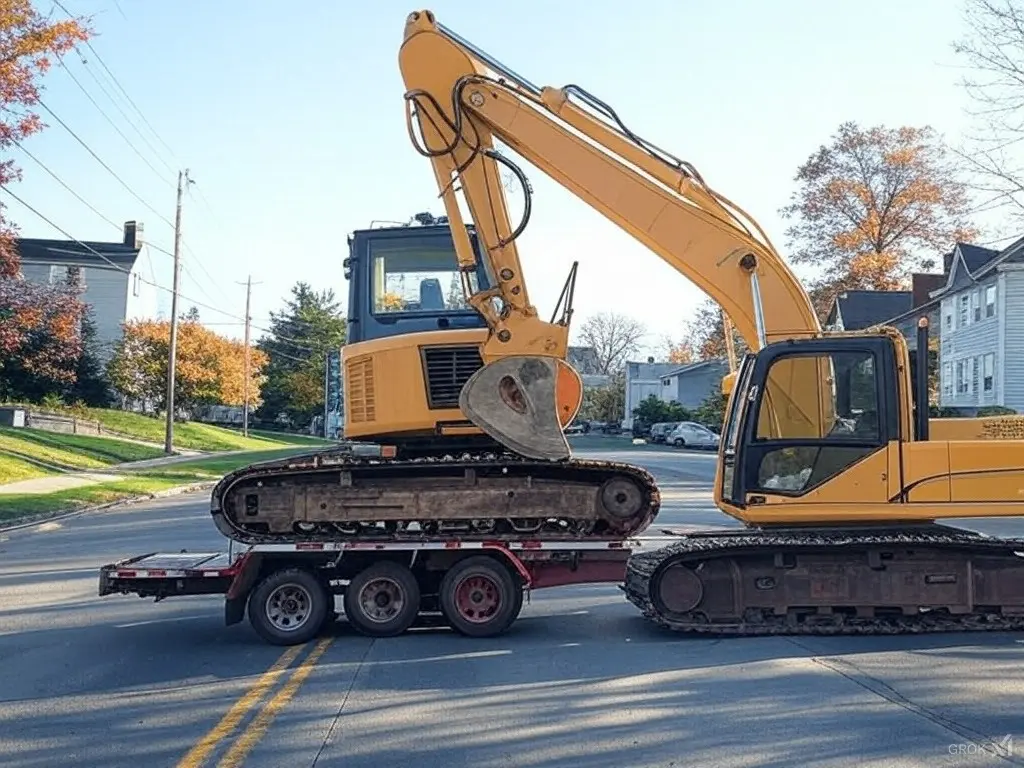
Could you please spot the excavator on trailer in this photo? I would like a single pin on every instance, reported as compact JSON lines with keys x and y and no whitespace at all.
{"x":839,"y":479}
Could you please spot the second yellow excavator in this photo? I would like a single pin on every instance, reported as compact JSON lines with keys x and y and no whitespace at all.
{"x":836,"y":475}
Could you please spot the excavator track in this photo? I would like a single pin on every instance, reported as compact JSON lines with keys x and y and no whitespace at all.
{"x":335,"y":495}
{"x":843,"y":582}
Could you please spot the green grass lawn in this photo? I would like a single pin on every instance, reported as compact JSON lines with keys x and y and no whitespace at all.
{"x":72,"y":451}
{"x":191,"y":435}
{"x":13,"y":469}
{"x":136,"y":483}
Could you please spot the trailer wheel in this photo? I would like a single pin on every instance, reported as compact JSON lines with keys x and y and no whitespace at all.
{"x":479,"y":597}
{"x":382,"y":600}
{"x":288,"y":607}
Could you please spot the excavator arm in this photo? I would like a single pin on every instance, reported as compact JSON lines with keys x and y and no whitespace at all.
{"x":462,"y":101}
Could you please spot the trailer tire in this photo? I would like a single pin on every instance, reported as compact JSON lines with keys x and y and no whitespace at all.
{"x":382,"y":600}
{"x":480,"y":597}
{"x":288,"y":607}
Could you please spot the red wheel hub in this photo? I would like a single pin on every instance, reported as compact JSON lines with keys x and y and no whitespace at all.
{"x":477,"y":598}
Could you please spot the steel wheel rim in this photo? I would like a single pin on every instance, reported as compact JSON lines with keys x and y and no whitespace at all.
{"x":478,"y":598}
{"x":289,"y":607}
{"x":381,"y":600}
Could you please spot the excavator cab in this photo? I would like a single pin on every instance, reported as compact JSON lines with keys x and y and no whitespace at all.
{"x":406,"y":280}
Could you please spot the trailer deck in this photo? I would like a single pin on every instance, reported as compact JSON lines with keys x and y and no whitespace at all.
{"x":289,"y":589}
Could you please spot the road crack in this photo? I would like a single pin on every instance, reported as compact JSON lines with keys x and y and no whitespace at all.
{"x":884,"y":690}
{"x":344,"y":701}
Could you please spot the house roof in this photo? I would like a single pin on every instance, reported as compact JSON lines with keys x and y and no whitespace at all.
{"x":584,"y":359}
{"x":70,"y":253}
{"x":974,"y":256}
{"x":689,"y":367}
{"x":863,"y":309}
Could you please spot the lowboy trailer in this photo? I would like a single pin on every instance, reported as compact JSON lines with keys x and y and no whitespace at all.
{"x":288,"y":590}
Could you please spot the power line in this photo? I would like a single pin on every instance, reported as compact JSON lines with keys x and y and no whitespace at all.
{"x":60,"y":181}
{"x":92,"y":74}
{"x":109,"y":169}
{"x":120,"y":87}
{"x":118,"y":267}
{"x":112,"y":123}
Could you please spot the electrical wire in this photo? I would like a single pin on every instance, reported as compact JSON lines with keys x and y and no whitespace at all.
{"x":113,"y":124}
{"x":109,"y":169}
{"x":99,"y":84}
{"x":117,"y":83}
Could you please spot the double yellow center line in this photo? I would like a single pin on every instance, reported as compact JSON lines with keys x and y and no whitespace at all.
{"x":252,"y":733}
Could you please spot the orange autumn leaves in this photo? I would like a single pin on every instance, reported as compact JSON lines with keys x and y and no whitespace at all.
{"x":210,"y":368}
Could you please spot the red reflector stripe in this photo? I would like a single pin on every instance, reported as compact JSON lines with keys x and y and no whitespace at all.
{"x":126,"y":574}
{"x":157,"y":573}
{"x":309,"y":545}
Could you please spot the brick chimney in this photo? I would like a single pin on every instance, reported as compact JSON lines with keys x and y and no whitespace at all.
{"x":923,"y":283}
{"x":133,"y":234}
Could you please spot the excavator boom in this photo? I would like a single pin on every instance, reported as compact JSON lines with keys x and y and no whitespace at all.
{"x":463,"y":101}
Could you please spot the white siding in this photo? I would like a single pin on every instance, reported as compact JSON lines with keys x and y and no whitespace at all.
{"x":1011,"y":308}
{"x":968,"y":334}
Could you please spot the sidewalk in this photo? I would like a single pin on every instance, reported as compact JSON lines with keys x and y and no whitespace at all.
{"x":77,"y":479}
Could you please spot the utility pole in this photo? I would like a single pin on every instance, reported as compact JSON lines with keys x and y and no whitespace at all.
{"x":173,"y":346}
{"x":245,"y":383}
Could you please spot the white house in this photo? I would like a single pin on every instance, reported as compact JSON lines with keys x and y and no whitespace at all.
{"x":111,"y":281}
{"x":981,"y":348}
{"x":643,"y":380}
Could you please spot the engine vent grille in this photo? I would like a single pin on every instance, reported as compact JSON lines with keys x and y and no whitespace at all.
{"x":360,"y":389}
{"x":447,"y":369}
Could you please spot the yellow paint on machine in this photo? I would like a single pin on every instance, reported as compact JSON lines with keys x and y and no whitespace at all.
{"x":202,"y":750}
{"x":251,"y":735}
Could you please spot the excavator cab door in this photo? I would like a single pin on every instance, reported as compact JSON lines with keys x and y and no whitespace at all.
{"x":805,"y":412}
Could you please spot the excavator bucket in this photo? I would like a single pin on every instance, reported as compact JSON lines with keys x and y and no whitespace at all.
{"x":524,"y":403}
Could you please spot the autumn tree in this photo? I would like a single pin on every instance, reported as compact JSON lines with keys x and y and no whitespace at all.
{"x":40,"y":334}
{"x":310,"y":325}
{"x":680,"y":352}
{"x":706,"y":333}
{"x":874,"y":205}
{"x":209,"y":368}
{"x":993,"y":51}
{"x":614,"y":337}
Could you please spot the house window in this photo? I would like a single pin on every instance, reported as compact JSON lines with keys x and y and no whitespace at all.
{"x":990,"y":301}
{"x":989,"y":371}
{"x":135,"y":284}
{"x":961,"y":378}
{"x":965,"y":309}
{"x":947,"y":319}
{"x":947,"y":378}
{"x":976,"y":305}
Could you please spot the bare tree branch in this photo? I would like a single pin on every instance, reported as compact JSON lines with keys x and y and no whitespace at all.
{"x":614,"y":337}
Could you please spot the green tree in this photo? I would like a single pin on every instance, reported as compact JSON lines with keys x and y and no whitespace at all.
{"x":654,"y":410}
{"x":607,"y":403}
{"x":91,"y":385}
{"x":711,"y":412}
{"x":300,"y":337}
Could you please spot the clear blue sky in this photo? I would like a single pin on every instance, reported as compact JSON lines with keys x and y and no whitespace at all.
{"x":292,"y":124}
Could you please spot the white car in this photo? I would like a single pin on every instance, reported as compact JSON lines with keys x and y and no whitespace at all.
{"x":690,"y":434}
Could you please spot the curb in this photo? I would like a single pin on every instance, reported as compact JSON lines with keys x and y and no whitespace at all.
{"x":46,"y":517}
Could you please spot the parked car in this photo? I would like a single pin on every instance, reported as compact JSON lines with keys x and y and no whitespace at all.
{"x":661,"y":430}
{"x":690,"y":434}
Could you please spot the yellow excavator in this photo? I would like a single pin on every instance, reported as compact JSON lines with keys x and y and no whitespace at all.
{"x":838,"y":478}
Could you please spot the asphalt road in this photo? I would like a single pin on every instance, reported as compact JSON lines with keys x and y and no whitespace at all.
{"x":581,"y":679}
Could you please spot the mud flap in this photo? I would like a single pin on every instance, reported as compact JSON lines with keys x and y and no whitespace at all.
{"x":516,"y":401}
